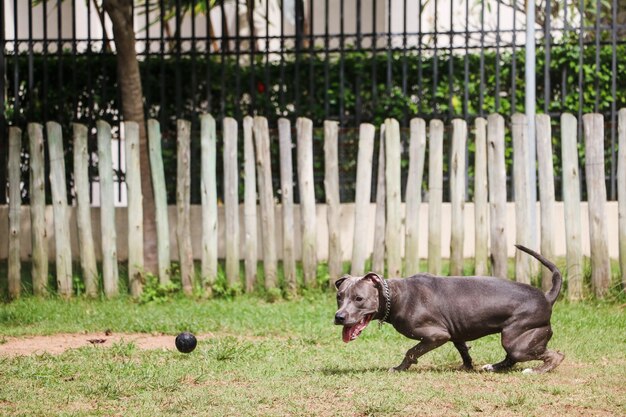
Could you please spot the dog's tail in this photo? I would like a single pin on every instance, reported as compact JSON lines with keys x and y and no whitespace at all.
{"x":557,"y":279}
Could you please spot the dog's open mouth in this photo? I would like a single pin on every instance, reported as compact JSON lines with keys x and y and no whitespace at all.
{"x":352,"y":332}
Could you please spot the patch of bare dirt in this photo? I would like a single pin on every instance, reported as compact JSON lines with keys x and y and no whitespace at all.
{"x":59,"y":343}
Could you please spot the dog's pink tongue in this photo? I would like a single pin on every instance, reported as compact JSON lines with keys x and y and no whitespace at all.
{"x":347,"y":333}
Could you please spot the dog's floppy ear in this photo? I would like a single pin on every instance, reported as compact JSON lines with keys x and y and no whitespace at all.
{"x":341,"y":280}
{"x":375,"y":278}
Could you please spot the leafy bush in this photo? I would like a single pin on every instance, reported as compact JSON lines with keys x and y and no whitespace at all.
{"x":155,"y":292}
{"x":356,"y":87}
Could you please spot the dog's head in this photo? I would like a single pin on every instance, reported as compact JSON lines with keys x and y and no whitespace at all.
{"x":358,"y":301}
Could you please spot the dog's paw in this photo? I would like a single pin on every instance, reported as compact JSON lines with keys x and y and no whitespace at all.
{"x":528,"y":371}
{"x":488,"y":368}
{"x":466,"y":368}
{"x":397,"y":369}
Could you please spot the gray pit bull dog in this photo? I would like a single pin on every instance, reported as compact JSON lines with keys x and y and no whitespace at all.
{"x":436,"y":310}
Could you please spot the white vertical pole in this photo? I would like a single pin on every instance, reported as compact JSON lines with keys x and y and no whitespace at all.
{"x":530,"y":106}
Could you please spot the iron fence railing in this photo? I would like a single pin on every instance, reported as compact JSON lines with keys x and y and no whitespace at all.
{"x":350,"y":60}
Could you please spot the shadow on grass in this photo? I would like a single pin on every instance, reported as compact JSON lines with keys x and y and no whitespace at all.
{"x":432,"y":369}
{"x":351,"y":371}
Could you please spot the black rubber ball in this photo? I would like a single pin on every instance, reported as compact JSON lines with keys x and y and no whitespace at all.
{"x":186,"y":342}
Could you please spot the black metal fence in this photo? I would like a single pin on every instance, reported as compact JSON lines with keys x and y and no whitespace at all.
{"x":349,"y":60}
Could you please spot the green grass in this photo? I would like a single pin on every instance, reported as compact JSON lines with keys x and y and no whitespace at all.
{"x":286,"y":358}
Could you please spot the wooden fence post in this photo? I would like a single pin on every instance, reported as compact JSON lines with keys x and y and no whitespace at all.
{"x":596,"y":192}
{"x":266,"y":199}
{"x":362,"y":196}
{"x":135,"y":209}
{"x":546,"y":193}
{"x":417,"y":152}
{"x":250,"y":200}
{"x":38,"y":210}
{"x":621,"y":193}
{"x":63,"y":248}
{"x":435,"y":195}
{"x":160,"y":200}
{"x":208,"y":187}
{"x":571,"y":206}
{"x":481,"y":205}
{"x":231,"y":200}
{"x":286,"y":187}
{"x":521,"y":181}
{"x":110,"y":275}
{"x":457,"y":195}
{"x":331,"y":186}
{"x":393,"y":232}
{"x":304,"y":149}
{"x":183,"y":180}
{"x":83,"y":210}
{"x":378,"y":255}
{"x":496,"y":171}
{"x":15,"y":206}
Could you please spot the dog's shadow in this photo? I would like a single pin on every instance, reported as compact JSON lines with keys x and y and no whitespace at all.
{"x":355,"y":371}
{"x":334,"y":371}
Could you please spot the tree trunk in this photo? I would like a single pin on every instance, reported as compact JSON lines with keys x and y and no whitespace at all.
{"x":129,"y":82}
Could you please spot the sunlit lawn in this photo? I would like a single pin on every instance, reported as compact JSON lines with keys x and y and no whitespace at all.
{"x":286,"y":358}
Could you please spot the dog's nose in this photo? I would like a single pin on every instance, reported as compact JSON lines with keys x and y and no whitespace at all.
{"x":339,"y":318}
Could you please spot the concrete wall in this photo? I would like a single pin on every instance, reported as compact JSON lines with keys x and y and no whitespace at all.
{"x":435,"y":15}
{"x":347,"y":226}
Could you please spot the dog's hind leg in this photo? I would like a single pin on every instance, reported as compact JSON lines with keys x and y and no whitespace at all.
{"x":464,"y":351}
{"x":529,"y":345}
{"x":551,"y":359}
{"x":504,"y":365}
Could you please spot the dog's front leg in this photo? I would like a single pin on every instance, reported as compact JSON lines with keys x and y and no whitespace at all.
{"x":464,"y":351}
{"x":415,"y":352}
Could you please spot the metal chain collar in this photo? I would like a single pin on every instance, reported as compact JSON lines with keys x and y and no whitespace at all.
{"x":387,"y":295}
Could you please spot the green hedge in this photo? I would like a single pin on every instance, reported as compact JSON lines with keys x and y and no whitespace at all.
{"x":88,"y":91}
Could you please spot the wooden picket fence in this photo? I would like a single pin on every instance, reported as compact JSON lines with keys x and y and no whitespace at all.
{"x":396,"y":229}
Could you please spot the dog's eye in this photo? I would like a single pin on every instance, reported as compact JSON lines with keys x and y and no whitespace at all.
{"x":358,"y":299}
